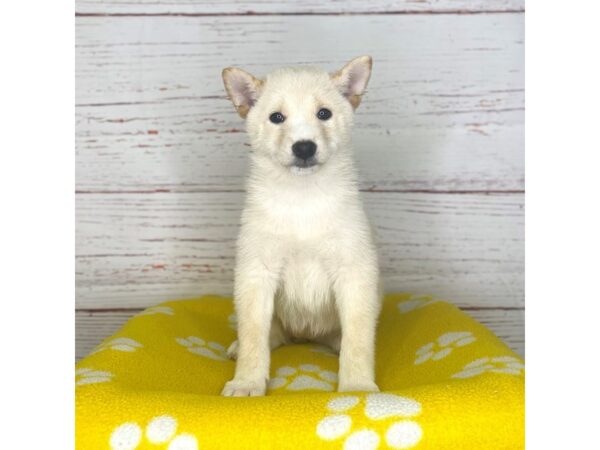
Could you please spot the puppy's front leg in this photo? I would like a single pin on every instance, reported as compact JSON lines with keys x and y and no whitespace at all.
{"x":254,"y":306}
{"x":358,"y":305}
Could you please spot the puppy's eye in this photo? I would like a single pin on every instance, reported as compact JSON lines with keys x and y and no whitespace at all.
{"x":276,"y":117}
{"x":324,"y":114}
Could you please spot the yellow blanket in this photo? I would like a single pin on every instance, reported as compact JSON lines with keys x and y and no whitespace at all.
{"x":446,"y":383}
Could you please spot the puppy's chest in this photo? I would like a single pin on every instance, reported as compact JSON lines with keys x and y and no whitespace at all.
{"x":302,"y":220}
{"x":305,"y":304}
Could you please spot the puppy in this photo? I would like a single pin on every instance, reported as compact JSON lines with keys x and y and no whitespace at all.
{"x":306,"y":265}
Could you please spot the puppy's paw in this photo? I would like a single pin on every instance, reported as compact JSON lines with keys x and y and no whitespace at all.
{"x":244,"y":388}
{"x":232,"y":351}
{"x":358,"y":386}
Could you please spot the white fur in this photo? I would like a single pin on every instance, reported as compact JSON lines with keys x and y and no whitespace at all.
{"x":306,"y":264}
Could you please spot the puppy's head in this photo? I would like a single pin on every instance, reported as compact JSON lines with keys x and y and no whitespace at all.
{"x":299,"y":118}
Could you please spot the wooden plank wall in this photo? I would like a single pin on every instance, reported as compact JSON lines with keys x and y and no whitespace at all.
{"x":161,"y":154}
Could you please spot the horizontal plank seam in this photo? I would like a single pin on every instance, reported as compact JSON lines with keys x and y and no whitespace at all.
{"x":306,"y":13}
{"x":224,"y":98}
{"x":107,"y":310}
{"x":492,"y":308}
{"x":227,"y":191}
{"x":134,"y":310}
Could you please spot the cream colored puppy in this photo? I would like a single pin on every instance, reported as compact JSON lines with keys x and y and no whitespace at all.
{"x":306,"y":264}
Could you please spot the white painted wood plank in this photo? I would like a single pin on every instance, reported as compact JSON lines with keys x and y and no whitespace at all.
{"x":509,"y":325}
{"x":291,"y":7}
{"x":138,"y":249}
{"x":444,"y":109}
{"x":91,"y":327}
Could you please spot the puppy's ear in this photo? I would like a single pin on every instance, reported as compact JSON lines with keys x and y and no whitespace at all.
{"x":243,"y":89}
{"x":351,"y":80}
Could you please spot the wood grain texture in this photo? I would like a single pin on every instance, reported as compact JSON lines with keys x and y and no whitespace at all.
{"x":94,"y":326}
{"x":444,"y":110}
{"x":134,"y":250}
{"x":161,"y":154}
{"x":507,"y":324}
{"x":293,"y":6}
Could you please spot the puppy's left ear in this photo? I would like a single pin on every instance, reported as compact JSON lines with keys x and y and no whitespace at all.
{"x":351,"y":80}
{"x":243,"y":89}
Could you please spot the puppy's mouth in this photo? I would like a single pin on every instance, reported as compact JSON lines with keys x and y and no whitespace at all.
{"x":304,"y":163}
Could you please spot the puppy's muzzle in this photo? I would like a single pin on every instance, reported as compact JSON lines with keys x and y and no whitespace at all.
{"x":304,"y":151}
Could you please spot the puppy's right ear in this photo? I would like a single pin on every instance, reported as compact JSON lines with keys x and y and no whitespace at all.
{"x":243,"y":89}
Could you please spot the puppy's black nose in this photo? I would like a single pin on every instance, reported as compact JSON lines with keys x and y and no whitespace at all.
{"x":304,"y":149}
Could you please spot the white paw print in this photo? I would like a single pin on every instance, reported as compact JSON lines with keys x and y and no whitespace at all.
{"x":443,"y":346}
{"x":498,"y":364}
{"x":232,"y":321}
{"x":415,"y":303}
{"x":304,"y":377}
{"x":400,"y":433}
{"x":120,"y":344}
{"x":157,"y":310}
{"x":160,"y":430}
{"x":198,"y":346}
{"x":91,"y":376}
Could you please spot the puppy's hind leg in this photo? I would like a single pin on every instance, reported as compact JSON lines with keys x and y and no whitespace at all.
{"x":232,"y":350}
{"x":277,"y":338}
{"x":332,"y":340}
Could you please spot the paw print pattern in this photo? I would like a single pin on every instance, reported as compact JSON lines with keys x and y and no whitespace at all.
{"x":415,"y":303}
{"x":400,"y":433}
{"x":160,"y":430}
{"x":443,"y":346}
{"x":498,"y":364}
{"x":232,"y":321}
{"x":198,"y":346}
{"x":120,"y":344}
{"x":167,"y":310}
{"x":91,"y":376}
{"x":304,"y":377}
